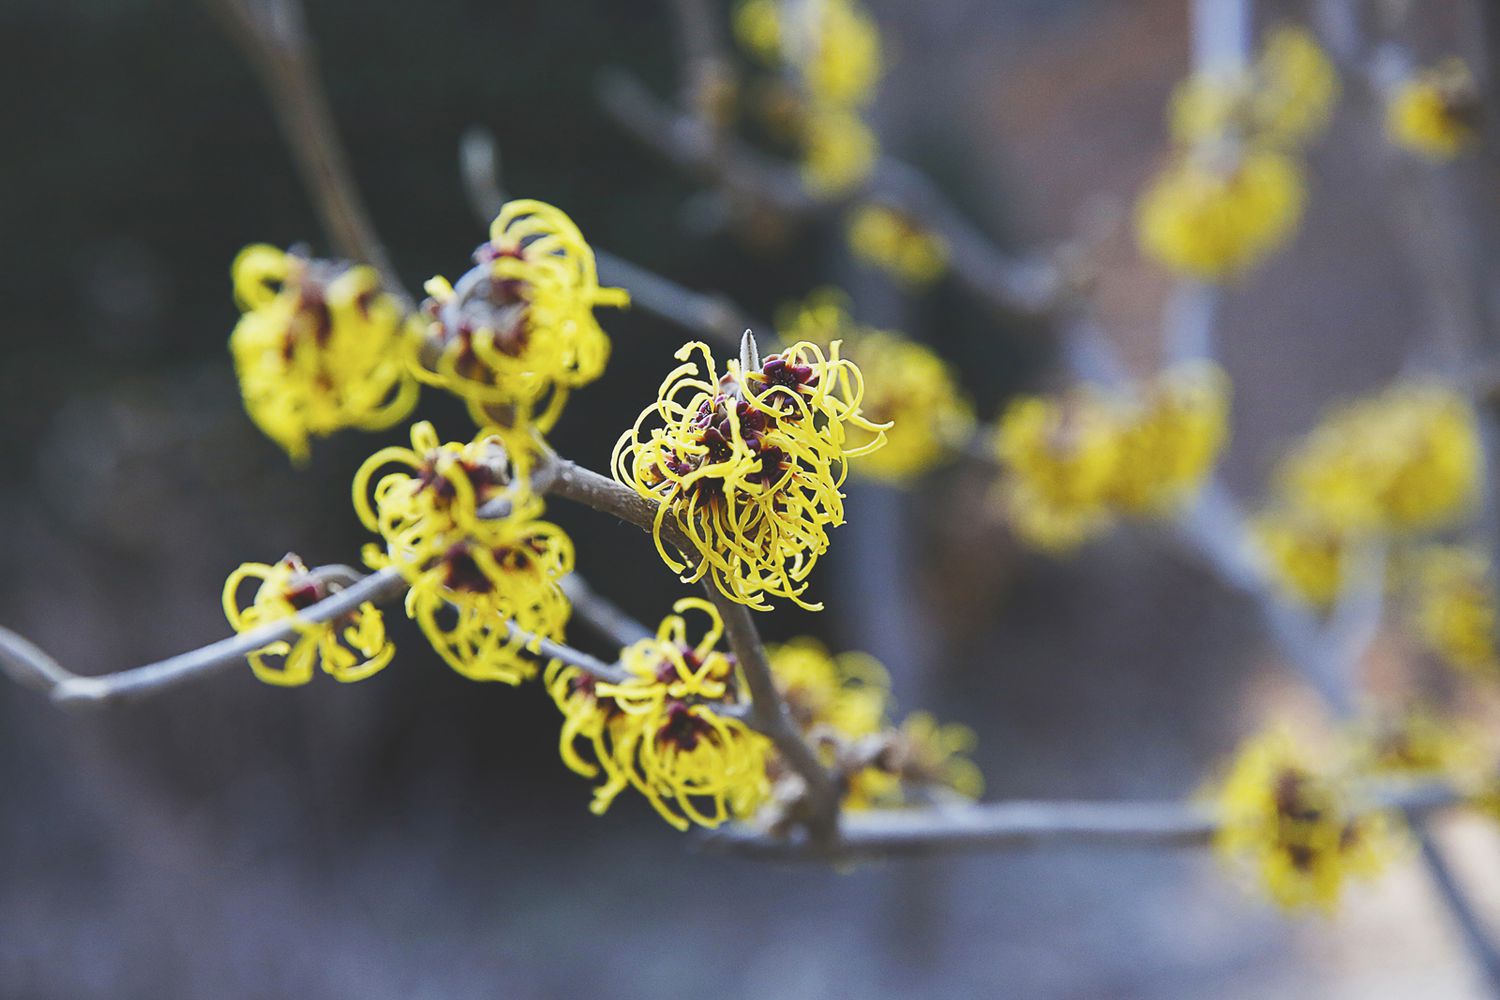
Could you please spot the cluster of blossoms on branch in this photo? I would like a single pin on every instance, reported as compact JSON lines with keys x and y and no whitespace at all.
{"x":1435,"y":112}
{"x":744,"y":470}
{"x":827,"y":63}
{"x":672,"y":726}
{"x":1390,"y":472}
{"x":1074,"y":464}
{"x":831,"y":50}
{"x":1298,"y":819}
{"x":1233,"y":190}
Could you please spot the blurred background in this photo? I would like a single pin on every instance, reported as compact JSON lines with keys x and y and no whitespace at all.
{"x":415,"y":835}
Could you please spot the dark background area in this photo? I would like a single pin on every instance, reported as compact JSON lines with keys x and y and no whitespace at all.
{"x":415,"y":835}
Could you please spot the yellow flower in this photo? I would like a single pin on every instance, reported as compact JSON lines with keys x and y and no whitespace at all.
{"x":670,"y":728}
{"x":319,"y":347}
{"x":885,"y":238}
{"x":844,"y":694}
{"x":1284,"y":100}
{"x":1170,"y":439}
{"x":749,"y":465}
{"x":1407,"y":459}
{"x":837,"y":52}
{"x":1298,"y":87}
{"x":757,"y":25}
{"x":1211,"y":221}
{"x":933,"y":753}
{"x":1305,"y":556}
{"x":1456,"y":611}
{"x":1296,"y":828}
{"x":518,"y":332}
{"x":348,"y":650}
{"x":471,"y":577}
{"x":1060,"y":459}
{"x":1420,"y":744}
{"x":907,"y":386}
{"x":839,"y":151}
{"x":1435,"y":113}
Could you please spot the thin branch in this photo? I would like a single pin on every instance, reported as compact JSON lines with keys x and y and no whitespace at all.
{"x":602,"y":614}
{"x":29,"y":665}
{"x":608,"y":672}
{"x":1470,"y":927}
{"x":770,"y":715}
{"x":274,"y":38}
{"x":1014,"y":825}
{"x":1026,"y":287}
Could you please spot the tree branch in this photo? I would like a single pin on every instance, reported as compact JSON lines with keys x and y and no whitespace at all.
{"x":1014,"y":825}
{"x":274,"y":38}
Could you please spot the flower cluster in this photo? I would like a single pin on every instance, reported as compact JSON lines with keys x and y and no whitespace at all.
{"x":1072,"y":465}
{"x":1456,"y":610}
{"x":1283,"y":100}
{"x":517,"y":333}
{"x":747,"y":467}
{"x":1435,"y":113}
{"x":834,"y":48}
{"x":907,"y":386}
{"x":1233,"y":191}
{"x":1300,"y":831}
{"x":668,"y":727}
{"x":894,"y":242}
{"x":1421,"y":744}
{"x":1396,"y":464}
{"x":461,"y":527}
{"x":319,"y":347}
{"x":350,"y":649}
{"x":1306,"y":556}
{"x":1404,"y":460}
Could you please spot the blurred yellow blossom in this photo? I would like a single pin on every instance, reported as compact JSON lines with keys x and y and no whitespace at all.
{"x":1406,"y":459}
{"x":907,"y":386}
{"x":1305,"y":556}
{"x":839,"y":151}
{"x":1296,"y":827}
{"x":349,"y":649}
{"x":320,"y":347}
{"x":1060,"y":458}
{"x":846,"y":694}
{"x":1421,"y":744}
{"x":748,"y":465}
{"x":835,"y":47}
{"x":472,"y":577}
{"x":1283,"y":100}
{"x":1170,"y":439}
{"x":1211,"y":219}
{"x":1072,"y":464}
{"x":1456,"y":612}
{"x":1436,"y":112}
{"x":894,"y":242}
{"x":518,"y":332}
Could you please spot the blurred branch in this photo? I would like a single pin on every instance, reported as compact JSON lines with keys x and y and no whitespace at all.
{"x":1026,"y":287}
{"x":274,"y":38}
{"x":998,"y":826}
{"x":600,"y":613}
